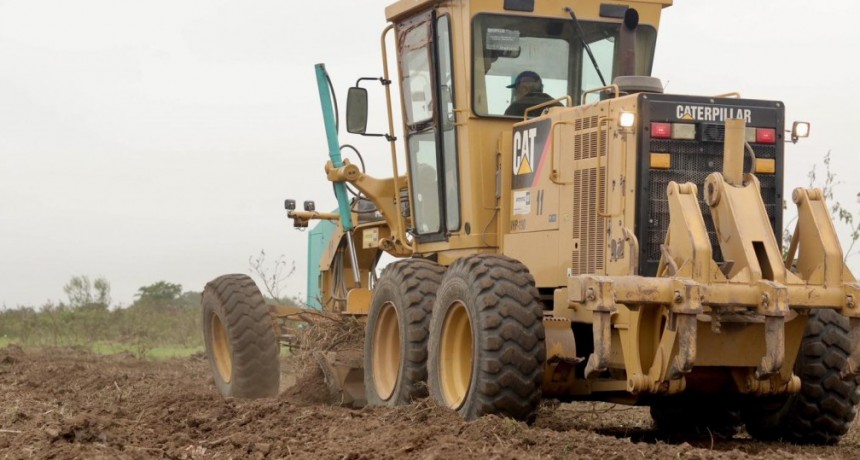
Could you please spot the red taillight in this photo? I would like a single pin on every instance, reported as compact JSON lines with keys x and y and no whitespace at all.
{"x":765,"y":136}
{"x":661,"y":130}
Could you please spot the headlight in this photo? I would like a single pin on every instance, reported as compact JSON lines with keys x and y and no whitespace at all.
{"x":799,"y":129}
{"x":627,"y":119}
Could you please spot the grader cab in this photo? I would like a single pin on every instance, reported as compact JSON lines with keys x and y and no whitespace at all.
{"x":564,"y":229}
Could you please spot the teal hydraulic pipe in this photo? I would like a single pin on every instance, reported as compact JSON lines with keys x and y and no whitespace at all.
{"x":333,"y":145}
{"x":337,"y":162}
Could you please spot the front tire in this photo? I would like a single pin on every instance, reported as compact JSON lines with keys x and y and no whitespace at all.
{"x":240,"y":339}
{"x":487,"y":340}
{"x":395,"y":344}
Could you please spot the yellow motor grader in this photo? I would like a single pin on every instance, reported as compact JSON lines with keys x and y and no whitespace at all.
{"x":565,"y":229}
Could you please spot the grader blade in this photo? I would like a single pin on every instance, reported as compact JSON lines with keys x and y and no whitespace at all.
{"x":342,"y":369}
{"x":344,"y":376}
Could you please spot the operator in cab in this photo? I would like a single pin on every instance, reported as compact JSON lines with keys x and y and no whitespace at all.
{"x":528,"y":92}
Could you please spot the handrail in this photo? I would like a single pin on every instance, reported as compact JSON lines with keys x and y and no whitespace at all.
{"x":399,"y":231}
{"x":733,"y":94}
{"x":553,"y":174}
{"x":557,"y":100}
{"x":630,"y":237}
{"x":600,"y":124}
{"x":597,"y":90}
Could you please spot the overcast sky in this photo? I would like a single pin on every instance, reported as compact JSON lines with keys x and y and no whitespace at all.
{"x":156,"y":140}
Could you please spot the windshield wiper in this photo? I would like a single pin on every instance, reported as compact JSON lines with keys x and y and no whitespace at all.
{"x":569,"y":11}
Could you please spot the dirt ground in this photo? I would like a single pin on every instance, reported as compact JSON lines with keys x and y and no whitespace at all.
{"x":73,"y":404}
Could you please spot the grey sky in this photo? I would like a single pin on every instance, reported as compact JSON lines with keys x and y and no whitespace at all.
{"x":147,"y":141}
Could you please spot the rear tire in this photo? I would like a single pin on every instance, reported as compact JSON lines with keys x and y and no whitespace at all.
{"x":240,"y":339}
{"x":487,"y":340}
{"x":395,"y":344}
{"x":826,"y":405}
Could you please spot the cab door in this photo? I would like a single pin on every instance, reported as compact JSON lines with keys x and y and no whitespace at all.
{"x":424,"y":51}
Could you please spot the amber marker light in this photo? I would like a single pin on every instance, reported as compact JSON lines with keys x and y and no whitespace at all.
{"x":765,"y":166}
{"x":660,"y":161}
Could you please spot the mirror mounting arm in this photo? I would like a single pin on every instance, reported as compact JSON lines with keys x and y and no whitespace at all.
{"x":388,"y":137}
{"x":356,"y":109}
{"x":383,"y":81}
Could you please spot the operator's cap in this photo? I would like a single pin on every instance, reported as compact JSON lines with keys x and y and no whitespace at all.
{"x":525,"y":74}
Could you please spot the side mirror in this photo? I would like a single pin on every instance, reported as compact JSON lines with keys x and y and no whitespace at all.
{"x":356,"y":110}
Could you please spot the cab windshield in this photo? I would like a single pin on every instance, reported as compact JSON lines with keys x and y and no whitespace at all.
{"x":522,"y":61}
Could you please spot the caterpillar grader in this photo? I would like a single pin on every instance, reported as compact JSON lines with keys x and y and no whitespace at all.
{"x":564,"y":229}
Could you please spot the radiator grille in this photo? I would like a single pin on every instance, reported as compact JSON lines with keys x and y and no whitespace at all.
{"x":588,"y":229}
{"x":589,"y":194}
{"x":693,"y":161}
{"x":585,"y":123}
{"x":585,"y":139}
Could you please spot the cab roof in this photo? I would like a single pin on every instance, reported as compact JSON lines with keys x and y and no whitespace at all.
{"x":402,"y":8}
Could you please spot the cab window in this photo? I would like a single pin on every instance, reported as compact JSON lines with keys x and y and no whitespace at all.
{"x":415,"y":42}
{"x":522,"y":61}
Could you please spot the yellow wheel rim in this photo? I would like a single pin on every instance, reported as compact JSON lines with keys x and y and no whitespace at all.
{"x":386,"y":351}
{"x":455,"y":355}
{"x":221,"y":350}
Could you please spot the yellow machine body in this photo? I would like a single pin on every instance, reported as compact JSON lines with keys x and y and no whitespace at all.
{"x":562,"y":188}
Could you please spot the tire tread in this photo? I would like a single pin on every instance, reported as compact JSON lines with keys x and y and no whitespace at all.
{"x":824,"y":409}
{"x":511,"y":337}
{"x":415,"y":281}
{"x":250,"y":333}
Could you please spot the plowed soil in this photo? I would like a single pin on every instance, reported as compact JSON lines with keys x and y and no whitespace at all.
{"x":73,"y":404}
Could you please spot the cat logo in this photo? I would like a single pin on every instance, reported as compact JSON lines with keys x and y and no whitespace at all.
{"x":530,"y":142}
{"x":524,"y":151}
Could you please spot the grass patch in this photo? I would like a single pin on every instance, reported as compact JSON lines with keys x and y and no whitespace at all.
{"x":112,"y":348}
{"x":158,"y":352}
